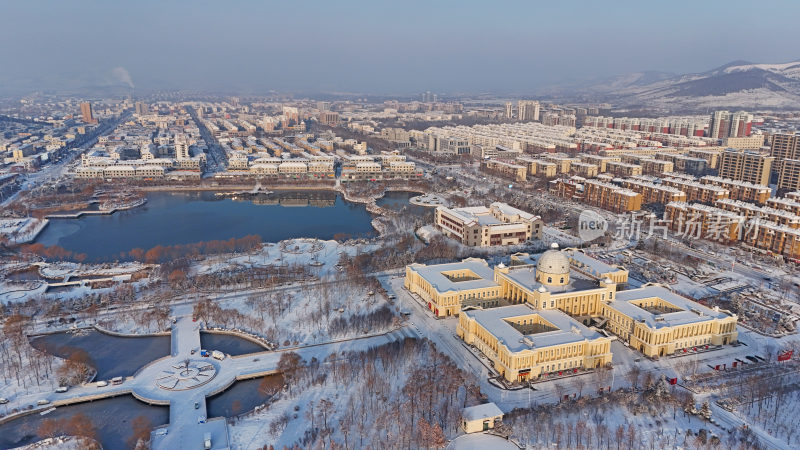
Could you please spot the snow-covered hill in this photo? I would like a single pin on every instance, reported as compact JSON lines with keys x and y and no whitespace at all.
{"x":738,"y":84}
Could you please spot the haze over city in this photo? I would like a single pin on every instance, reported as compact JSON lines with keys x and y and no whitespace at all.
{"x":380,"y":47}
{"x":399,"y":225}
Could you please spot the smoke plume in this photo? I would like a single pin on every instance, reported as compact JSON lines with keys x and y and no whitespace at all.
{"x":121,"y":75}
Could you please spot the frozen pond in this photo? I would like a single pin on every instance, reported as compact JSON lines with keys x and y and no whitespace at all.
{"x":228,"y":344}
{"x":111,"y":419}
{"x":243,"y":396}
{"x":172,"y":218}
{"x":111,"y":356}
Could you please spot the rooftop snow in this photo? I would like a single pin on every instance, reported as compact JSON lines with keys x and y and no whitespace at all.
{"x":494,"y":320}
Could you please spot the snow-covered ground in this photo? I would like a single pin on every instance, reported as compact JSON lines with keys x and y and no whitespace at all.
{"x":62,"y":443}
{"x":630,"y":420}
{"x":21,"y":230}
{"x":323,"y":254}
{"x":364,"y":400}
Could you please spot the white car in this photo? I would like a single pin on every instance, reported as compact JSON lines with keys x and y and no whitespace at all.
{"x":103,"y":383}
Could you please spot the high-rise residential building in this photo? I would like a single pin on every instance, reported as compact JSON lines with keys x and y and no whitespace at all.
{"x":328,"y":118}
{"x":509,"y":110}
{"x":141,"y":108}
{"x":789,"y":175}
{"x":182,"y":147}
{"x":741,"y":124}
{"x":744,"y":165}
{"x":784,"y":146}
{"x":528,"y":110}
{"x":428,"y":97}
{"x":323,"y":106}
{"x":86,"y":113}
{"x":725,"y":124}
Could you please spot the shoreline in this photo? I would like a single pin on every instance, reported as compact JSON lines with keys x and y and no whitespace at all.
{"x":376,"y":211}
{"x":101,"y":212}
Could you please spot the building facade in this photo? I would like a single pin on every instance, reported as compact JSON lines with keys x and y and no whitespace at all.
{"x":499,"y":224}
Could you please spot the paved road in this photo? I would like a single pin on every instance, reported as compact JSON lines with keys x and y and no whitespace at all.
{"x":442,"y":333}
{"x":183,"y":380}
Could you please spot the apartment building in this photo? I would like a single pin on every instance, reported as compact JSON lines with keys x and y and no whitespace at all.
{"x":563,"y":162}
{"x":654,"y":193}
{"x":753,"y":211}
{"x":621,"y":169}
{"x":789,"y":175}
{"x":725,"y":124}
{"x":772,"y":237}
{"x":743,"y":165}
{"x":538,"y":167}
{"x":599,"y":161}
{"x":478,"y":226}
{"x":584,"y":170}
{"x":754,"y":142}
{"x":784,"y":146}
{"x":611,"y":197}
{"x":506,"y":169}
{"x":740,"y":190}
{"x":685,"y":164}
{"x":706,"y":222}
{"x":711,"y":156}
{"x":652,"y":166}
{"x":786,"y":203}
{"x":700,"y":221}
{"x":696,"y":191}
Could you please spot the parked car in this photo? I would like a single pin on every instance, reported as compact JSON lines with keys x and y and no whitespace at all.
{"x":3,"y":400}
{"x":62,"y":389}
{"x":102,"y":383}
{"x":43,"y":402}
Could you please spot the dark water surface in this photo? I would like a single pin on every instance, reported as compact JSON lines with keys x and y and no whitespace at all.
{"x":111,"y":356}
{"x":228,"y":344}
{"x":170,"y":218}
{"x":111,"y":418}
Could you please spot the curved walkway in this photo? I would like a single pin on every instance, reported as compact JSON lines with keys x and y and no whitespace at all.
{"x":183,"y":380}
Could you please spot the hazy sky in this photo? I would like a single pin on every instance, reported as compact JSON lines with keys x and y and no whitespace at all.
{"x":380,"y":47}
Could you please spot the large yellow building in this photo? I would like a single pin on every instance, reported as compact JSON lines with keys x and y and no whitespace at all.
{"x":611,"y":197}
{"x":659,"y":322}
{"x":524,"y":343}
{"x":745,"y":165}
{"x":531,"y":317}
{"x":479,"y":226}
{"x":445,"y":286}
{"x":789,"y":175}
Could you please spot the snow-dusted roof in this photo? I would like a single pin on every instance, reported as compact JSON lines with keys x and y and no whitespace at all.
{"x":591,"y":265}
{"x":480,"y":412}
{"x":692,"y":312}
{"x":433,"y":275}
{"x":496,"y":322}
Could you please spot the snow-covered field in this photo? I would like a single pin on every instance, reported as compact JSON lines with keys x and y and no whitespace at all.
{"x":628,"y":420}
{"x":21,"y":230}
{"x":383,"y":398}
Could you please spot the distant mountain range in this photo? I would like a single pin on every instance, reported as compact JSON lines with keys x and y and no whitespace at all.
{"x":739,"y":84}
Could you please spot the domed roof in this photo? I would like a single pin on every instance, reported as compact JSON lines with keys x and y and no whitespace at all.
{"x":553,"y":261}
